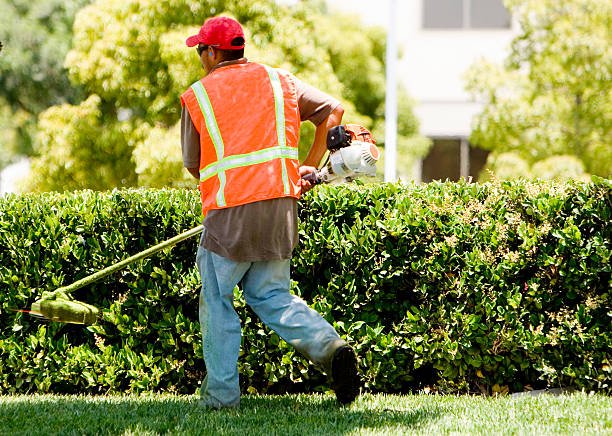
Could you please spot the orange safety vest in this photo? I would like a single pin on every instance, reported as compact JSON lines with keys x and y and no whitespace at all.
{"x":248,"y":120}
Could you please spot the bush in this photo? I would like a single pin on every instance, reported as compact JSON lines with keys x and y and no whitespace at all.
{"x":454,"y":287}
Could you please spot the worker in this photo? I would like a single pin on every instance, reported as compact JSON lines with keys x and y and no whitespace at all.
{"x":239,"y":134}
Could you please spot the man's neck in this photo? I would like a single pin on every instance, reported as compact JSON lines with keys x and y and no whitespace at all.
{"x":228,"y":63}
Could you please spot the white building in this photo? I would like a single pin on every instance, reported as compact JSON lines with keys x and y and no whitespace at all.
{"x":440,"y":40}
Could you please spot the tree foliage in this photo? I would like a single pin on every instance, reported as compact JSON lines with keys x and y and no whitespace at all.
{"x":136,"y":67}
{"x":79,"y":148}
{"x":36,"y":36}
{"x":552,"y":101}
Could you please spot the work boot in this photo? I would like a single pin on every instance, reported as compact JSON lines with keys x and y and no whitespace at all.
{"x":345,"y":379}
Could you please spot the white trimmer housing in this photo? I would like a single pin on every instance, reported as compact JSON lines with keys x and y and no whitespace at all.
{"x":358,"y":159}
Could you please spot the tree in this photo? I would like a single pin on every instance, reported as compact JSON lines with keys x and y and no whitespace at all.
{"x":80,"y":149}
{"x":36,"y":36}
{"x":551,"y":103}
{"x":135,"y":70}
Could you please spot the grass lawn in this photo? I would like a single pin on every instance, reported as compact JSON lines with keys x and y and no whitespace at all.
{"x":306,"y":415}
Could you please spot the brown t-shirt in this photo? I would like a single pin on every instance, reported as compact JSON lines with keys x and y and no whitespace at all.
{"x":264,"y":230}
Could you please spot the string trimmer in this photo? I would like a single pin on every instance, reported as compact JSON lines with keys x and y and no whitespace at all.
{"x":60,"y":306}
{"x":353,"y":154}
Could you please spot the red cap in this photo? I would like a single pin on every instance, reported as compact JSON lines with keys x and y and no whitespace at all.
{"x":218,"y":32}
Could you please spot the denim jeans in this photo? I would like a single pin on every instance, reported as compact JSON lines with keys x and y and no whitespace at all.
{"x":266,"y":289}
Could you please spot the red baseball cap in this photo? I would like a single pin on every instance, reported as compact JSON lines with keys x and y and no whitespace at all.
{"x":219,"y":32}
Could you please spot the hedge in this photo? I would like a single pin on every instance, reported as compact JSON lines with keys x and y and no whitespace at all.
{"x":446,"y":287}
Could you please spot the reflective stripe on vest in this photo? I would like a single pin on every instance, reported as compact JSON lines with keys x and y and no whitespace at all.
{"x":243,"y":160}
{"x":215,"y":135}
{"x":223,"y":163}
{"x":279,"y":104}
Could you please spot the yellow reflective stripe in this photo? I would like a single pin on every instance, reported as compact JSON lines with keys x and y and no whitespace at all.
{"x":279,"y":104}
{"x":221,"y":191}
{"x":213,"y":131}
{"x":242,"y":160}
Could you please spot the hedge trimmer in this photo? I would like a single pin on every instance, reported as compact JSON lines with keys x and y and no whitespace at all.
{"x":353,"y":154}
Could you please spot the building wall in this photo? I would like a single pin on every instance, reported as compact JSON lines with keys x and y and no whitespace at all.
{"x":432,"y":65}
{"x":432,"y":69}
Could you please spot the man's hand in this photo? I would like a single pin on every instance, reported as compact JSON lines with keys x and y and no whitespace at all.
{"x":305,"y":184}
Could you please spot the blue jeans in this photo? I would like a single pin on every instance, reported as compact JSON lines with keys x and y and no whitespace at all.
{"x":266,"y":289}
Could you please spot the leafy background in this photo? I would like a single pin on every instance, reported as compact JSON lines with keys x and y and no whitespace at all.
{"x":95,"y":84}
{"x":111,"y":73}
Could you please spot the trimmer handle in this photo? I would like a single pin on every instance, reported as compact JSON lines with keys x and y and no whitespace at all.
{"x":313,"y":178}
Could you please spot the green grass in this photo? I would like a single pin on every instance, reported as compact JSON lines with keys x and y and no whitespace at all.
{"x":306,"y":415}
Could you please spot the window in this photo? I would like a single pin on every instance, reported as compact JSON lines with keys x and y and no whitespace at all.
{"x":442,"y":14}
{"x":465,"y":14}
{"x":486,"y":14}
{"x":453,"y":159}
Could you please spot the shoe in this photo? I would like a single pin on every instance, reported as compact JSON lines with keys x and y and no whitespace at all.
{"x":345,"y":378}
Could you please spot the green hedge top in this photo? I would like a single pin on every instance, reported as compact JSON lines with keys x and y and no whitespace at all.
{"x":453,"y":286}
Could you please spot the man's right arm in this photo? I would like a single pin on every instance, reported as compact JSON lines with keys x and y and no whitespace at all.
{"x":190,"y":144}
{"x":195,"y":172}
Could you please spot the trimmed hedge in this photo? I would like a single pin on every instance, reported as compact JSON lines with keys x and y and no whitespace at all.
{"x":454,"y":287}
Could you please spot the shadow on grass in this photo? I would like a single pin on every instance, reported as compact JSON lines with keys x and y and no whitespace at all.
{"x":286,"y":414}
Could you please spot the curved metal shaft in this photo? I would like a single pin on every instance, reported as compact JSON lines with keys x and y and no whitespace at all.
{"x":125,"y":262}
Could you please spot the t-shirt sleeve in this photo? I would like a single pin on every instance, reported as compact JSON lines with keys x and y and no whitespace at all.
{"x":314,"y":105}
{"x":190,"y":141}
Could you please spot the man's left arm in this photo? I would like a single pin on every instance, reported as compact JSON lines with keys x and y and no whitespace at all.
{"x":322,"y":110}
{"x":319,"y":144}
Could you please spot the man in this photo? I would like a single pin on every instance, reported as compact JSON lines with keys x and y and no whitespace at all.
{"x":240,"y":130}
